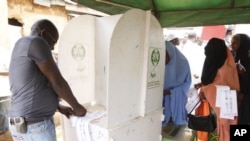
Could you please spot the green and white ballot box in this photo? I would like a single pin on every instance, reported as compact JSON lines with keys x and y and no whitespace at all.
{"x":115,"y":67}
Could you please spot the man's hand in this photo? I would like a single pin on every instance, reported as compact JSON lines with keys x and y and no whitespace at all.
{"x":198,"y":85}
{"x":79,"y":110}
{"x":67,"y":111}
{"x":166,"y":92}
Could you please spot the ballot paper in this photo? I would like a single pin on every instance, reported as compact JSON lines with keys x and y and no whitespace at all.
{"x":82,"y":124}
{"x":193,"y":100}
{"x":226,"y":100}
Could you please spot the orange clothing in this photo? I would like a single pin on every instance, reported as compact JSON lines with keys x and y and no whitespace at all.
{"x":203,"y":109}
{"x":226,"y":75}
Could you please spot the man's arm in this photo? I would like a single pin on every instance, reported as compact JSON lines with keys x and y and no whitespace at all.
{"x":60,"y":86}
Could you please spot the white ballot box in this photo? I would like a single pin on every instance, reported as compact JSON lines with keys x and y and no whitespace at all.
{"x":142,"y":128}
{"x":116,"y":62}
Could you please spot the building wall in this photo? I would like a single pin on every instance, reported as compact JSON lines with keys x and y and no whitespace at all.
{"x":26,"y":12}
{"x":3,"y":24}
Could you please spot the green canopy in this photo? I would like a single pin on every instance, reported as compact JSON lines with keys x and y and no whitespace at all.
{"x":180,"y":13}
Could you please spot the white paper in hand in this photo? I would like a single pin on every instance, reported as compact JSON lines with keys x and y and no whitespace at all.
{"x":193,"y":100}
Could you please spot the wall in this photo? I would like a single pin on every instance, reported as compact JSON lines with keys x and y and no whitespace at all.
{"x":26,"y":12}
{"x":3,"y":23}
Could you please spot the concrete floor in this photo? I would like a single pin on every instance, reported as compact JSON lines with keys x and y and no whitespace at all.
{"x":177,"y":133}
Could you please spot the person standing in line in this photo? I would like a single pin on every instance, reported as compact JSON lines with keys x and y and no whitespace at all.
{"x":195,"y":56}
{"x":241,"y":47}
{"x":218,"y":69}
{"x":173,"y":39}
{"x":177,"y":81}
{"x":228,"y":36}
{"x":37,"y":86}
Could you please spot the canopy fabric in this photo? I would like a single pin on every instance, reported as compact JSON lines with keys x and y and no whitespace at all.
{"x":180,"y":13}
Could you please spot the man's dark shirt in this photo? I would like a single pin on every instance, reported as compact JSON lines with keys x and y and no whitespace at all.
{"x":32,"y":96}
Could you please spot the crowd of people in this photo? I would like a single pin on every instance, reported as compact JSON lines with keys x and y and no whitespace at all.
{"x":223,"y":62}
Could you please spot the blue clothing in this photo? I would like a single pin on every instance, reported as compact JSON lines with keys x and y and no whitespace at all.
{"x":41,"y":131}
{"x":177,"y":79}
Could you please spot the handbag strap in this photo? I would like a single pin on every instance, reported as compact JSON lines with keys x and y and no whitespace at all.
{"x":194,"y":107}
{"x":197,"y":104}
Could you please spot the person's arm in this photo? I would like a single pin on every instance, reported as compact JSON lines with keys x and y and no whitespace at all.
{"x":67,"y":111}
{"x":60,"y":86}
{"x":4,"y":73}
{"x":166,"y":92}
{"x":198,"y":85}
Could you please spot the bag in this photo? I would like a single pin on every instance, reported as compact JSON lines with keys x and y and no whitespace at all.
{"x":202,"y":123}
